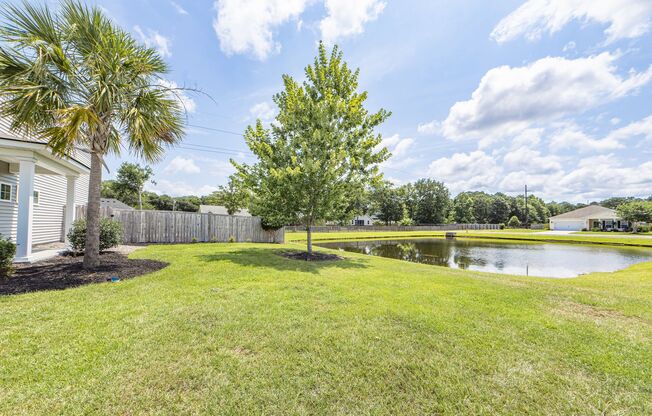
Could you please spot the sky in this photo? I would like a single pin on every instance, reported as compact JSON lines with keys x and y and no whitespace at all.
{"x":485,"y":96}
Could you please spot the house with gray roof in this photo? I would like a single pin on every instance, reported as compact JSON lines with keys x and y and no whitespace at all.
{"x":589,"y":218}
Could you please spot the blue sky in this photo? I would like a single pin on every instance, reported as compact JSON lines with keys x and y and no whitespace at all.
{"x":484,"y":95}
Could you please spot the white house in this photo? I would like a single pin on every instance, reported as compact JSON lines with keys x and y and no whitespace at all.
{"x":588,"y":218}
{"x":221,"y":210}
{"x":38,"y":191}
{"x":363,"y":220}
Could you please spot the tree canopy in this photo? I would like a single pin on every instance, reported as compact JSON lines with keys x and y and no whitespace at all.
{"x":320,"y":153}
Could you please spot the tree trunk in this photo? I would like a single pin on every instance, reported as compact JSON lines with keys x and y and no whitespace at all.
{"x":140,"y":200}
{"x":92,"y":247}
{"x":309,"y":231}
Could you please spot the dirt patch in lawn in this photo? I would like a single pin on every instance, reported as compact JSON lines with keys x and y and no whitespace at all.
{"x":303,"y":255}
{"x":63,"y":272}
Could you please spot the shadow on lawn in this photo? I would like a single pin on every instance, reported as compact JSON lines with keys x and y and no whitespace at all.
{"x":256,"y":257}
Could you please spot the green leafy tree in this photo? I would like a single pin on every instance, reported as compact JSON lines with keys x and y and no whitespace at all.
{"x":386,"y":203}
{"x":410,"y":199}
{"x":463,"y":209}
{"x":321,"y":152}
{"x":636,"y":211}
{"x":108,"y":190}
{"x":433,"y":202}
{"x":514,"y":222}
{"x":130,"y":182}
{"x":233,"y":196}
{"x":75,"y":79}
{"x":500,"y":209}
{"x":481,"y":206}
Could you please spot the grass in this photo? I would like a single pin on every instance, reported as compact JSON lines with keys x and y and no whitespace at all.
{"x":627,"y":240}
{"x":237,"y":329}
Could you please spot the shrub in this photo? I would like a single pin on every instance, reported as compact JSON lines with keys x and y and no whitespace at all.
{"x":7,"y":253}
{"x":596,"y":229}
{"x":231,"y":239}
{"x":514,"y":222}
{"x":643,"y":228}
{"x":502,"y":226}
{"x":110,"y":235}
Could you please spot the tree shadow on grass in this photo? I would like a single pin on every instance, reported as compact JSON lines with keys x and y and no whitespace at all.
{"x":256,"y":257}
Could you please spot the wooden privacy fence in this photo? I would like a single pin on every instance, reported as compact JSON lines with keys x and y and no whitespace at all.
{"x":142,"y":226}
{"x":362,"y":228}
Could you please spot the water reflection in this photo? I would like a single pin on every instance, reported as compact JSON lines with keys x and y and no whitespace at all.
{"x":531,"y":259}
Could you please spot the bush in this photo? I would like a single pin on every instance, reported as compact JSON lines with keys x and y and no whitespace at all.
{"x":514,"y":222}
{"x":110,"y":235}
{"x":596,"y":229}
{"x":643,"y":228}
{"x":7,"y":253}
{"x":502,"y":226}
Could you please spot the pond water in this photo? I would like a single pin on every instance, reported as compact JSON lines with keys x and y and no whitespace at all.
{"x":530,"y":259}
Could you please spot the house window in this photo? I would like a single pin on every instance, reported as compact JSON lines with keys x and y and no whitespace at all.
{"x":37,"y":196}
{"x":5,"y":192}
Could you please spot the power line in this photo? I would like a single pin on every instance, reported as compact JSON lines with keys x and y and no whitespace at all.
{"x":216,"y":129}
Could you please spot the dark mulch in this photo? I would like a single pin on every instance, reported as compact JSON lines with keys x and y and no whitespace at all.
{"x":303,"y":255}
{"x":63,"y":272}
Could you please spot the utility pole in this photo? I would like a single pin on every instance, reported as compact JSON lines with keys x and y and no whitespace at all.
{"x":527,"y":217}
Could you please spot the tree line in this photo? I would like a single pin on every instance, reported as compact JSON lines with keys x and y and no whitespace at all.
{"x":425,"y":201}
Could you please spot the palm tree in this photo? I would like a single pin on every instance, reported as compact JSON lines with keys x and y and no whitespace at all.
{"x":73,"y":78}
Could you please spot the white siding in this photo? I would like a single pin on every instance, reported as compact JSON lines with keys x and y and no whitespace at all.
{"x":48,"y":213}
{"x":8,"y":210}
{"x":81,"y":190}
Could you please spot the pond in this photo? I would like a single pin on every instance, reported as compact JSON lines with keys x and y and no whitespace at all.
{"x":517,"y":258}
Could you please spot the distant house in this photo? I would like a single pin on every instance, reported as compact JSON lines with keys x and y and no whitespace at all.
{"x":114,"y":204}
{"x":221,"y":210}
{"x":588,"y":218}
{"x":363,"y":220}
{"x":38,"y":191}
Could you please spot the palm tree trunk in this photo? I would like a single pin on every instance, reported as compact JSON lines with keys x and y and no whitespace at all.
{"x":140,"y":200}
{"x":92,"y":248}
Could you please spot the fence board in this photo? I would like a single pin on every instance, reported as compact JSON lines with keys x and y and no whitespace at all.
{"x":186,"y":227}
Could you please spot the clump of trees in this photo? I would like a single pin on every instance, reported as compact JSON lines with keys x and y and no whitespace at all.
{"x":428,"y":201}
{"x":636,"y":212}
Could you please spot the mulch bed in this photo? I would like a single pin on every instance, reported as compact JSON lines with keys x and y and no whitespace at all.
{"x":63,"y":272}
{"x":303,"y":255}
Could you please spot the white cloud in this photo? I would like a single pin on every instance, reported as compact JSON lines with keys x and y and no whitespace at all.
{"x":641,"y":128}
{"x":182,"y":165}
{"x":570,"y":135}
{"x":400,"y":149}
{"x":263,"y":111}
{"x":604,"y":176}
{"x":246,"y":26}
{"x":466,"y":171}
{"x":510,"y":99}
{"x":153,"y":39}
{"x":187,"y":103}
{"x":347,"y":18}
{"x":569,"y":46}
{"x":624,"y":18}
{"x":179,"y":8}
{"x":432,"y":127}
{"x":531,"y":161}
{"x":614,"y":121}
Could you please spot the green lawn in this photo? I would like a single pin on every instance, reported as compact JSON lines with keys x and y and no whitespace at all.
{"x":236,"y":329}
